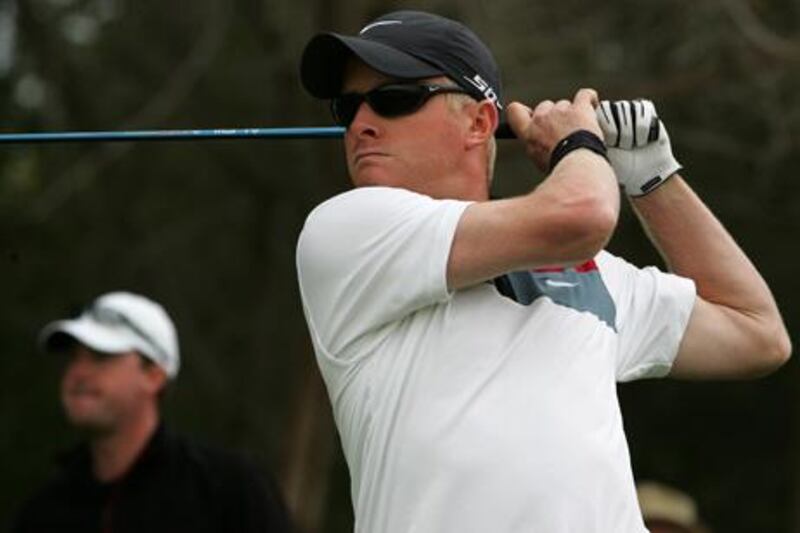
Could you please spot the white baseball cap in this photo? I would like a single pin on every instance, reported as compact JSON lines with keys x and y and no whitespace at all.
{"x":119,"y":322}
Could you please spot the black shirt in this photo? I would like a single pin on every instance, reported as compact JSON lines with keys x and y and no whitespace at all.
{"x":175,"y":485}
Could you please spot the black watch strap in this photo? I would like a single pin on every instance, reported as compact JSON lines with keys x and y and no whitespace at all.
{"x":575,"y":140}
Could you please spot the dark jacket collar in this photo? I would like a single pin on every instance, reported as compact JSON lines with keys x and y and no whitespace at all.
{"x":77,"y":462}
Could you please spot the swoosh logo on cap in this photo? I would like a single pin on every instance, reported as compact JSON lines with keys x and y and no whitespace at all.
{"x":368,"y":27}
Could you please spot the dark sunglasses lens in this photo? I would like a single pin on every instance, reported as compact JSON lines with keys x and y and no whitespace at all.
{"x":388,"y":101}
{"x":345,"y":107}
{"x":394,"y":101}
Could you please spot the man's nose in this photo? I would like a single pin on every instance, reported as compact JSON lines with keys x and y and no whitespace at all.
{"x":365,"y":122}
{"x":79,"y":361}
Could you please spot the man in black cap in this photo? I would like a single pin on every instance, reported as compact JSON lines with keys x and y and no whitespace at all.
{"x":471,"y":348}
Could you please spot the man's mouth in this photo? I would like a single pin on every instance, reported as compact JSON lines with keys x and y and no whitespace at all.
{"x":80,"y":391}
{"x":366,"y":155}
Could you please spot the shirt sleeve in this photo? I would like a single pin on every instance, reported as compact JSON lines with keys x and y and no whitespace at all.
{"x":372,"y":256}
{"x":653,"y":310}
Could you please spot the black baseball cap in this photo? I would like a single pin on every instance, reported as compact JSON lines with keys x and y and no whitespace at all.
{"x":404,"y":45}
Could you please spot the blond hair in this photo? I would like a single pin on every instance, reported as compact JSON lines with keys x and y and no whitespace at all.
{"x":457,"y":102}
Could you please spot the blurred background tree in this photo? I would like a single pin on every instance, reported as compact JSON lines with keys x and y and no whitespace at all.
{"x":209,"y":228}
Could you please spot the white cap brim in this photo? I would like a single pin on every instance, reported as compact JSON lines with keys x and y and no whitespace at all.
{"x":99,"y":337}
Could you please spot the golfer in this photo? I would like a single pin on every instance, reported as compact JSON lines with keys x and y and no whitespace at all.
{"x":471,"y":348}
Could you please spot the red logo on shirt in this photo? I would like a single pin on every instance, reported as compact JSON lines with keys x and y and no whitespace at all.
{"x":588,"y":266}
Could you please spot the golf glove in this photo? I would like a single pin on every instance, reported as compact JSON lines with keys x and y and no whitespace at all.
{"x":638,"y":145}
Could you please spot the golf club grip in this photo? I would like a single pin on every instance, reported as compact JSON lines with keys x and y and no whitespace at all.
{"x":504,"y":132}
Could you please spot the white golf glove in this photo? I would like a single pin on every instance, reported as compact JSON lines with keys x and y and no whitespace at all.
{"x":638,"y":145}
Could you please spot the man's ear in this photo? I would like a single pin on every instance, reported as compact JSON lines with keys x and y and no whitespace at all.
{"x":155,"y":376}
{"x":484,"y":120}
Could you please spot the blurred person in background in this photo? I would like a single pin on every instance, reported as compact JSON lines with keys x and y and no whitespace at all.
{"x":665,"y":509}
{"x":132,"y":474}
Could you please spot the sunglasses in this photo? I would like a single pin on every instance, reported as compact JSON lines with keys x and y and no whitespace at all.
{"x":388,"y":101}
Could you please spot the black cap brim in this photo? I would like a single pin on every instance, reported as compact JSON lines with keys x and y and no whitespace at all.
{"x":325,"y":57}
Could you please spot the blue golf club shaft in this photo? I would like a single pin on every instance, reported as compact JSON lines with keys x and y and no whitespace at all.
{"x":319,"y":132}
{"x":172,"y":135}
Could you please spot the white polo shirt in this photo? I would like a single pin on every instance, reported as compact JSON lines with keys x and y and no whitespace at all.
{"x":473,"y":411}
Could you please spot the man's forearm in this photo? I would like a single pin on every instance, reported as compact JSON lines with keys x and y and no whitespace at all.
{"x":735,"y":329}
{"x":738,"y":331}
{"x":694,"y":244}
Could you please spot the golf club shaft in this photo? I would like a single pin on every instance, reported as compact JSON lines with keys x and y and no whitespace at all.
{"x":503,"y":132}
{"x":171,"y":135}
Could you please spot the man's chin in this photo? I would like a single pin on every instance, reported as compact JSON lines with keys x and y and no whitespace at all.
{"x":90,"y":424}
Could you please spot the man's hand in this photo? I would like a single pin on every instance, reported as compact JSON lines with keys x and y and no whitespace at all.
{"x":543,"y":127}
{"x":638,"y":144}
